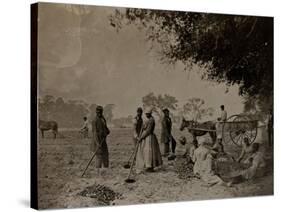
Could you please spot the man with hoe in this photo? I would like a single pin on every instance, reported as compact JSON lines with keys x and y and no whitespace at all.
{"x":100,"y":133}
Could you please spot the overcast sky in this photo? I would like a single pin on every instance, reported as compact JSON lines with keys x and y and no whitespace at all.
{"x":82,"y":57}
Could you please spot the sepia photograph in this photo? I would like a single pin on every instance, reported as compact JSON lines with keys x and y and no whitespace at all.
{"x":136,"y":106}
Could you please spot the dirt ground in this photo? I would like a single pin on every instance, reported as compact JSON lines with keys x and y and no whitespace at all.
{"x":61,"y":163}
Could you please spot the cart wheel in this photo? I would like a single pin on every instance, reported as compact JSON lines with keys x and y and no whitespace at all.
{"x":242,"y":127}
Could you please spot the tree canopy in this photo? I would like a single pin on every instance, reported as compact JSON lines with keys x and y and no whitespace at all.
{"x":197,"y":106}
{"x":160,"y":102}
{"x":233,"y":49}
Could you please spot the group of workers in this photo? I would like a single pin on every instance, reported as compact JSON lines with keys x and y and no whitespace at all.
{"x":204,"y":156}
{"x":148,"y":154}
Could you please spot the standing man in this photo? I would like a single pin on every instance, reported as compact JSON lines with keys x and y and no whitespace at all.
{"x":100,"y":132}
{"x":85,"y":128}
{"x":219,"y":124}
{"x":195,"y":118}
{"x":166,"y":134}
{"x":137,"y":124}
{"x":223,"y":116}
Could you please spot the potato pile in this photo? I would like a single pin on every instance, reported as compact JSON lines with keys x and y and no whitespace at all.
{"x":102,"y":193}
{"x":184,"y":169}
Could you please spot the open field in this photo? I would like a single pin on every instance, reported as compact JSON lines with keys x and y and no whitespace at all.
{"x":62,"y":160}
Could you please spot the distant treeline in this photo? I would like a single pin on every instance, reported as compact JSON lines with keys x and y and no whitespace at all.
{"x":69,"y":113}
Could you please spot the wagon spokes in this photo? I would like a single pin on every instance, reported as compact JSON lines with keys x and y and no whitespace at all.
{"x":240,"y":127}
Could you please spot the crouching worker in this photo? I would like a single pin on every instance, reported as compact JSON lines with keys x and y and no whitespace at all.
{"x":257,"y":166}
{"x":246,"y":150}
{"x":189,"y":152}
{"x":219,"y":148}
{"x":99,"y":145}
{"x":204,"y":163}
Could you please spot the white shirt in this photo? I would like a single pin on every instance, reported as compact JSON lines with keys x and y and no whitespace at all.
{"x":86,"y":125}
{"x":223,"y":115}
{"x":195,"y":116}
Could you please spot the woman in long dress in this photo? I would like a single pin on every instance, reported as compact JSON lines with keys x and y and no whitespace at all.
{"x":148,"y":154}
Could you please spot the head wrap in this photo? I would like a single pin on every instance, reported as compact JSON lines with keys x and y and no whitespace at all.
{"x":148,"y":110}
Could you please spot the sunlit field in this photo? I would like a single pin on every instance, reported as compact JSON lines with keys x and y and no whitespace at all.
{"x":62,"y":161}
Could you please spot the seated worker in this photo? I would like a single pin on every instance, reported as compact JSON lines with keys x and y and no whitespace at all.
{"x":209,"y":176}
{"x":219,"y":148}
{"x":257,"y":166}
{"x":182,"y":141}
{"x":203,"y":165}
{"x":246,"y":149}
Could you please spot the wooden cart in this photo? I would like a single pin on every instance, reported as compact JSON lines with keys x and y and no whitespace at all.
{"x":237,"y":127}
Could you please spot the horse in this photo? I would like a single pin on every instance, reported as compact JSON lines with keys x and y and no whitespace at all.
{"x":203,"y":128}
{"x":48,"y":125}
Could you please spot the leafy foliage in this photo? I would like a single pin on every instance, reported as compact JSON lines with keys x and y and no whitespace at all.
{"x":233,"y":49}
{"x":160,"y":102}
{"x":196,"y":106}
{"x":108,"y":112}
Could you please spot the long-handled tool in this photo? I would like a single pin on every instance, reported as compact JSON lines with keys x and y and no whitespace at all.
{"x":129,"y":179}
{"x":128,"y":164}
{"x":90,"y":161}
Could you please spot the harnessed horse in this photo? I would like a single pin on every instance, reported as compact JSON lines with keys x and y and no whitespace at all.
{"x":202,"y":128}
